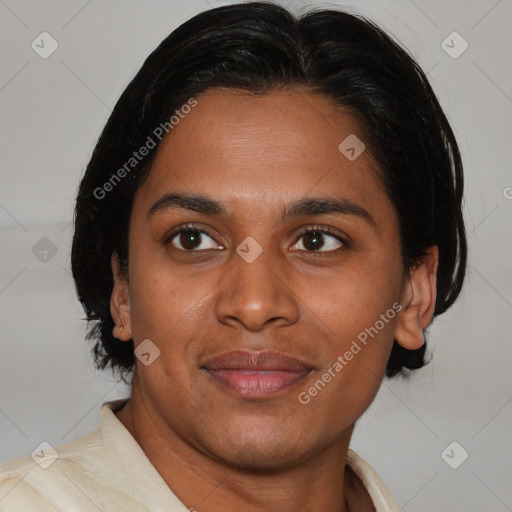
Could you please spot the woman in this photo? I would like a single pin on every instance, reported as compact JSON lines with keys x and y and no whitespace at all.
{"x":269,"y":222}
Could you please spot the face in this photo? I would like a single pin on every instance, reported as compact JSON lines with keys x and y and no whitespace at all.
{"x":257,"y":295}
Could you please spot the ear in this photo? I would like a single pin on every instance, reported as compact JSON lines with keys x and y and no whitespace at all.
{"x":120,"y":302}
{"x":418,"y":301}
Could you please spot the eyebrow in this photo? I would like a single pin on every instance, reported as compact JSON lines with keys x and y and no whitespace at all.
{"x":306,"y":206}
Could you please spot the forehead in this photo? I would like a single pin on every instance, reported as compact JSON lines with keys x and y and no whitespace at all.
{"x":246,"y":148}
{"x":283,"y":124}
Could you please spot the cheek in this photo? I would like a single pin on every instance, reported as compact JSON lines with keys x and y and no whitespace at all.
{"x":353,"y":299}
{"x":164,"y":298}
{"x":357,"y":311}
{"x":355,"y":366}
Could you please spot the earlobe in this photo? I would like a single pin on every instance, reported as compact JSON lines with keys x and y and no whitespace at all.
{"x":418,"y":301}
{"x":120,"y":302}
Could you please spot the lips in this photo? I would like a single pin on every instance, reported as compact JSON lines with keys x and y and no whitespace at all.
{"x":256,"y":374}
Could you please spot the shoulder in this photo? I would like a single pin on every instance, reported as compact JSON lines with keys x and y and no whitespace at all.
{"x":40,"y":480}
{"x":380,"y":495}
{"x":104,"y":470}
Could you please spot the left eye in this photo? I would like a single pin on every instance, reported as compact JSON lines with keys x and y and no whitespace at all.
{"x":313,"y":240}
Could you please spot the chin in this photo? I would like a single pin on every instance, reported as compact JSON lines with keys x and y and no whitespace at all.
{"x":256,"y":451}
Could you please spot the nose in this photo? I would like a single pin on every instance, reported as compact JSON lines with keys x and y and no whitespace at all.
{"x":256,"y":294}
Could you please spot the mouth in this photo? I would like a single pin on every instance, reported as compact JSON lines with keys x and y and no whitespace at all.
{"x":256,"y":374}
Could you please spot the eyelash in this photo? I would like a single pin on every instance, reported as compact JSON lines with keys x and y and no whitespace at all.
{"x":326,"y":231}
{"x":315,"y":228}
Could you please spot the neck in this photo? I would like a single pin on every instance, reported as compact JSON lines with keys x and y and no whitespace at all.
{"x":202,"y":481}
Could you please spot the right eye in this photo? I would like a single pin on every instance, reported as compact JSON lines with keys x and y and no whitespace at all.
{"x":191,"y":239}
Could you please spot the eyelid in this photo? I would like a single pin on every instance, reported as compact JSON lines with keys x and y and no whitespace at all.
{"x":190,"y":226}
{"x":344,"y":239}
{"x":326,"y":230}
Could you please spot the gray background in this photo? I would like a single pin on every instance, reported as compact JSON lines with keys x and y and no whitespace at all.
{"x":52,"y":111}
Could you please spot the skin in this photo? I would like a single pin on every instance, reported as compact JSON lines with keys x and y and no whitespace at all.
{"x":218,"y":451}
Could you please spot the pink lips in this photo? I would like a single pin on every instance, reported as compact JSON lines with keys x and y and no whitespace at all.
{"x":256,"y":374}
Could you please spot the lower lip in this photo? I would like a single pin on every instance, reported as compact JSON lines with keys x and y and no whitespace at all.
{"x":257,"y":384}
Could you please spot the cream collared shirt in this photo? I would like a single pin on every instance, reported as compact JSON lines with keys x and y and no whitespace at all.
{"x":106,"y":470}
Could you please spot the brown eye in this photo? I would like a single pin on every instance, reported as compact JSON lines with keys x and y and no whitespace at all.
{"x":318,"y":240}
{"x":192,"y":239}
{"x":313,"y":241}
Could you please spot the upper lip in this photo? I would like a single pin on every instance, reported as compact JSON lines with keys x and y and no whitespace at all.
{"x":266,"y":360}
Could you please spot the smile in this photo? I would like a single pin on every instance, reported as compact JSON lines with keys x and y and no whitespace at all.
{"x":256,"y":374}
